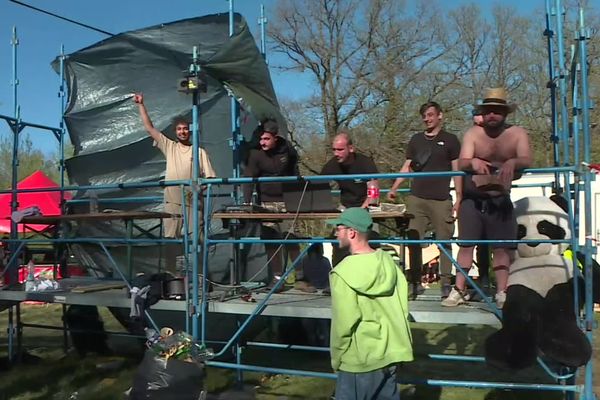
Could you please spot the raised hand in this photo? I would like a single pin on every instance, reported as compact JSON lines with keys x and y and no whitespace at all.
{"x":138,"y":98}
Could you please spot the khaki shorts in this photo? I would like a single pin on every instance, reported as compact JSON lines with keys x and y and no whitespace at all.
{"x":174,"y":225}
{"x":276,"y":228}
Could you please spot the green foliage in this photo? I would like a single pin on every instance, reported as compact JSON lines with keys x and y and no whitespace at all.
{"x":30,"y":159}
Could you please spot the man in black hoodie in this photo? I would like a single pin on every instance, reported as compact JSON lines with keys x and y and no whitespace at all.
{"x":275,"y":157}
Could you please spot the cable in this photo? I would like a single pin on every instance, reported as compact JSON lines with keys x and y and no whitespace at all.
{"x":262,"y":269}
{"x":289,"y":232}
{"x":61,"y":17}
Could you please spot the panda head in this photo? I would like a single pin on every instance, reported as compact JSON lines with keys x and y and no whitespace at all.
{"x":540,"y":218}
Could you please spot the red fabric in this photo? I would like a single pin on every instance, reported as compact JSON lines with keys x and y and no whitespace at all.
{"x":48,"y":202}
{"x":595,"y":168}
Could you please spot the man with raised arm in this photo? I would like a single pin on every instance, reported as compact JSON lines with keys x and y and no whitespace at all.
{"x":429,"y":201}
{"x":179,"y":159}
{"x":493,"y":153}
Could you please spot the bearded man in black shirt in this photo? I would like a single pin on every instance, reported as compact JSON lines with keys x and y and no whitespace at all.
{"x":275,"y":157}
{"x":429,"y":201}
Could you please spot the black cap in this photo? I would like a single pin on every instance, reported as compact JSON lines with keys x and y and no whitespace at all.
{"x":270,"y":126}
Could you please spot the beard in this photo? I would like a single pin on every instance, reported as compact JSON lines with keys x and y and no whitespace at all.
{"x":343,"y":244}
{"x":493,"y":123}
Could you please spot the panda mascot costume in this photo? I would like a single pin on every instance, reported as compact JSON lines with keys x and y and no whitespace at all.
{"x":538,"y":315}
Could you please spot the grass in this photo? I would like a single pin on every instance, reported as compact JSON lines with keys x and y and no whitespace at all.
{"x":48,"y":373}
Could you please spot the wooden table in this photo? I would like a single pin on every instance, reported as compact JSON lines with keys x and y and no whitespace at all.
{"x":128,"y":217}
{"x":103,"y":216}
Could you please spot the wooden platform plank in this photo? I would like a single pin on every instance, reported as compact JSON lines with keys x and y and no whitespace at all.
{"x":98,"y":287}
{"x":292,"y":303}
{"x":102,"y":216}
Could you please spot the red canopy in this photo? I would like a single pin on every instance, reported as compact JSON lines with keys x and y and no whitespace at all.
{"x":48,"y":202}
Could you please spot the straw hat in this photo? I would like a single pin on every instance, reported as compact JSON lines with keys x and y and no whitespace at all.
{"x":496,"y":97}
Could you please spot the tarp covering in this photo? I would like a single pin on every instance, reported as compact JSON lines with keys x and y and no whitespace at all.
{"x":47,"y":201}
{"x":111,"y":145}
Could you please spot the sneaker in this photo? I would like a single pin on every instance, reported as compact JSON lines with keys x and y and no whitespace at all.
{"x":500,"y":299}
{"x":416,"y":289}
{"x":455,"y":298}
{"x":273,"y":282}
{"x":305,"y":287}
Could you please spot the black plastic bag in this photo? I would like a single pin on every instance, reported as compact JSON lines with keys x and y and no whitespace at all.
{"x":172,"y":379}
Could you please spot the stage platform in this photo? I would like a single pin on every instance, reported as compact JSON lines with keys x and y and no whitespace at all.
{"x":291,"y":303}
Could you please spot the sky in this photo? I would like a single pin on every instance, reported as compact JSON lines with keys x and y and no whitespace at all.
{"x":41,"y":36}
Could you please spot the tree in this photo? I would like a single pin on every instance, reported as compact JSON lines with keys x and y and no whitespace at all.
{"x":374,"y":63}
{"x":30,"y":160}
{"x":332,"y":39}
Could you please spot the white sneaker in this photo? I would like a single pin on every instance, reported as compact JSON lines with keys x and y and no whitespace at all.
{"x":500,"y":299}
{"x":455,"y":298}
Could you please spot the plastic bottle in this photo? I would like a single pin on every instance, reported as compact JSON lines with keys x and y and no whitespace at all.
{"x":30,"y":281}
{"x":291,"y":278}
{"x":93,"y":203}
{"x":373,"y":193}
{"x":152,"y":337}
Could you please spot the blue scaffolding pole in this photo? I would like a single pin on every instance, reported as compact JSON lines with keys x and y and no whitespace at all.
{"x":576,"y":185}
{"x":583,"y":35}
{"x":63,"y":102}
{"x":236,"y":136}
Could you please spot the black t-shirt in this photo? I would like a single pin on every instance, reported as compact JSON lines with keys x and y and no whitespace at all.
{"x":280,"y":161}
{"x":352,"y":192}
{"x":427,"y":155}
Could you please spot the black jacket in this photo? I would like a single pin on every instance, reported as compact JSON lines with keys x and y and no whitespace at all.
{"x":280,"y":161}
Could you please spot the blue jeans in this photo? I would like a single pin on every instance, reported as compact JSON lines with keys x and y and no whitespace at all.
{"x":375,"y":385}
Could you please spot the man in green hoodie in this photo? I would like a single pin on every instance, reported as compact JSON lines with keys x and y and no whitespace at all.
{"x":370,"y":333}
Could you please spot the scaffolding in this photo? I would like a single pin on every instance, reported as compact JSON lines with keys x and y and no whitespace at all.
{"x":570,"y":123}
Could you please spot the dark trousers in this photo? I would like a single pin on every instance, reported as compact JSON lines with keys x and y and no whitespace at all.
{"x":483,"y":264}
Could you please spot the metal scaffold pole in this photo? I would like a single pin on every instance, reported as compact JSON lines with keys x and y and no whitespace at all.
{"x":582,"y":38}
{"x":235,"y":117}
{"x":194,"y":71}
{"x":61,"y":141}
{"x":262,"y":21}
{"x":574,"y":132}
{"x":562,"y":76}
{"x":12,"y":267}
{"x":549,"y":33}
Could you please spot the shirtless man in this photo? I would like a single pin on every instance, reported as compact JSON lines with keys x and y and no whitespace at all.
{"x":494,"y":153}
